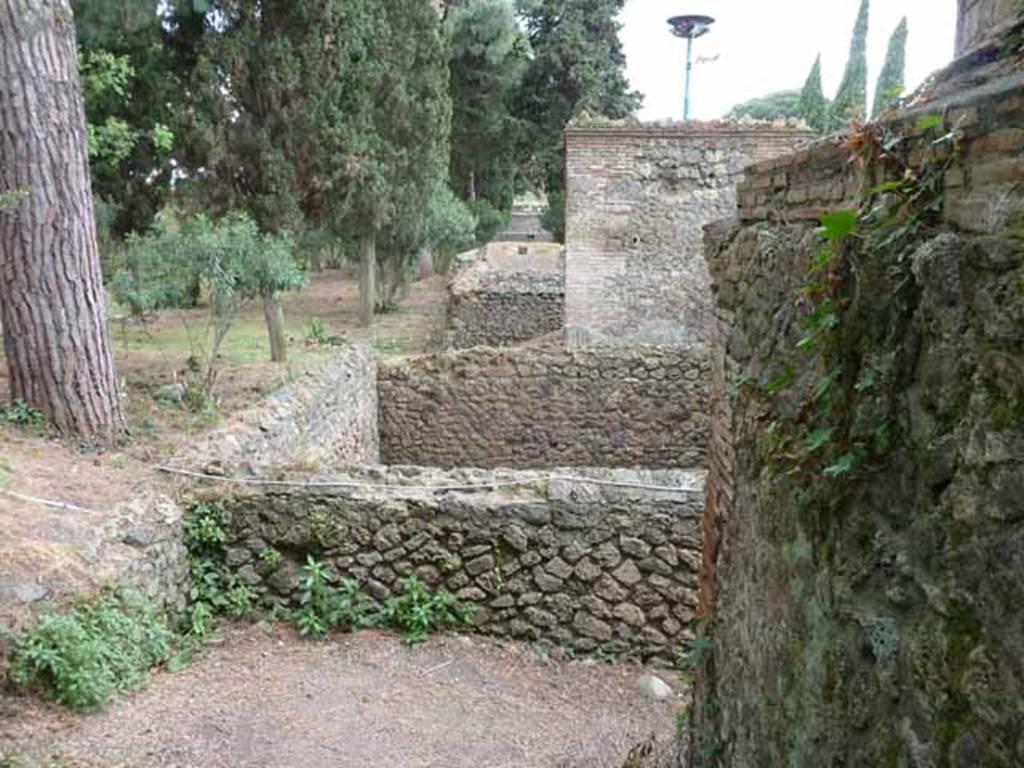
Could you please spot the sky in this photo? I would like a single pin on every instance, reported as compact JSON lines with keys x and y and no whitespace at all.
{"x":769,"y":45}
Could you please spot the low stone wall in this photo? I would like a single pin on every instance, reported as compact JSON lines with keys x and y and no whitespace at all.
{"x":543,"y":407}
{"x":580,"y":565}
{"x":326,"y":417}
{"x":505,"y":294}
{"x":53,"y":557}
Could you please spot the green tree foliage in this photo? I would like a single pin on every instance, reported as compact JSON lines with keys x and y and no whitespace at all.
{"x":231,"y":259}
{"x":553,"y":218}
{"x":814,"y":107}
{"x":891,"y":79}
{"x":282,"y":109}
{"x":851,"y":102}
{"x":451,"y":227}
{"x":403,"y":150}
{"x":774,"y":106}
{"x":489,"y":220}
{"x":578,"y":67}
{"x":132,"y":96}
{"x":488,"y":59}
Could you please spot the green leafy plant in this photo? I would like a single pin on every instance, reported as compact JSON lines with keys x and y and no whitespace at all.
{"x":320,"y":336}
{"x":327,"y":602}
{"x":696,"y":654}
{"x":417,"y":611}
{"x":22,"y":414}
{"x":270,"y":557}
{"x":215,"y":588}
{"x":81,"y":657}
{"x":387,"y":345}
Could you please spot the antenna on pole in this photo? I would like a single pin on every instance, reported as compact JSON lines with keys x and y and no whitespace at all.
{"x":689,"y":28}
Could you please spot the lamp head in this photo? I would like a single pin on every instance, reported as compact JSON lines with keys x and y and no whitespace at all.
{"x":690,"y":27}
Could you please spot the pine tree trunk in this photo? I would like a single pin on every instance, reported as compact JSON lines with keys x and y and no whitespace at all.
{"x":274,"y":313}
{"x":367,"y":277}
{"x":51,"y":293}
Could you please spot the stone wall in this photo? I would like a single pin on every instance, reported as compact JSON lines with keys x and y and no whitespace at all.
{"x":872,"y":618}
{"x":543,"y":407}
{"x":638,"y":198}
{"x":54,"y":557}
{"x":326,"y":417}
{"x":505,"y":294}
{"x":575,"y":564}
{"x":980,"y":21}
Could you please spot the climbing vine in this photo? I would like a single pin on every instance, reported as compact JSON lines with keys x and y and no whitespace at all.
{"x":836,"y":424}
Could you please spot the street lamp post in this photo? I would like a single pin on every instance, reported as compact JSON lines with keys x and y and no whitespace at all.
{"x":690,"y":28}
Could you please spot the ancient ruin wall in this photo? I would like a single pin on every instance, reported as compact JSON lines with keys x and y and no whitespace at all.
{"x":326,"y":417}
{"x":577,"y":565}
{"x":637,"y":201}
{"x":543,"y":407}
{"x":505,"y":294}
{"x":873,"y":618}
{"x":981,"y":21}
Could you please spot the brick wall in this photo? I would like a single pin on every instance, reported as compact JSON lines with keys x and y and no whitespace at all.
{"x":979,"y":21}
{"x":638,"y":199}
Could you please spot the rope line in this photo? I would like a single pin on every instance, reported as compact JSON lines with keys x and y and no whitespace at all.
{"x":47,"y":503}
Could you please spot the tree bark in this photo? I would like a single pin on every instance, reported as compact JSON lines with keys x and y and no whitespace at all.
{"x":367,"y":277}
{"x":51,"y":293}
{"x":274,"y":313}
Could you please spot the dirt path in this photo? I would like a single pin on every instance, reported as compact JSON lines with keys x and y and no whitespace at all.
{"x":266,"y":698}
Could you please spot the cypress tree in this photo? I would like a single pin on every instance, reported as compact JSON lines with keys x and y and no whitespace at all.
{"x":489,"y":54}
{"x":890,"y":80}
{"x":851,"y":102}
{"x":813,"y":104}
{"x":578,"y":67}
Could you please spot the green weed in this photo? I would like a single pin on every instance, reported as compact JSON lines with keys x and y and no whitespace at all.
{"x":320,"y":336}
{"x":417,"y":611}
{"x":81,"y":657}
{"x":328,"y":602}
{"x":22,"y":415}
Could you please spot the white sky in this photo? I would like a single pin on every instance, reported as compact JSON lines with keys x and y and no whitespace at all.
{"x":770,"y":45}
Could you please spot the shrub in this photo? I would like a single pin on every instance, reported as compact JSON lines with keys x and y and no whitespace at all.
{"x":489,"y":220}
{"x":451,"y":226}
{"x":328,"y":602}
{"x":215,"y":588}
{"x":83,"y":656}
{"x":553,"y":218}
{"x":22,"y":414}
{"x":417,"y":611}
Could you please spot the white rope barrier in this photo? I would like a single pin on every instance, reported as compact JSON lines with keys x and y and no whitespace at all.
{"x":47,"y":503}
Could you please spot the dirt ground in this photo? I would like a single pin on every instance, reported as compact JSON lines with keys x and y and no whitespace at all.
{"x":152,"y":355}
{"x":265,"y":698}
